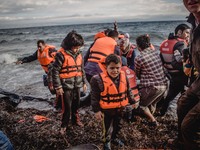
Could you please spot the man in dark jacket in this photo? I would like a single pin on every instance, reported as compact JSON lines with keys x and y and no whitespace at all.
{"x":44,"y":54}
{"x":189,"y":103}
{"x":171,"y":55}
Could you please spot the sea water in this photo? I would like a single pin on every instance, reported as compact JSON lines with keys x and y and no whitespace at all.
{"x":16,"y":43}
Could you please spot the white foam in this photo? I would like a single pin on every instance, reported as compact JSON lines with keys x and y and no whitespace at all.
{"x":7,"y":58}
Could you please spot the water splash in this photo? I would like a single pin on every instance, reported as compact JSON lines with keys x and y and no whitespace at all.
{"x":7,"y":59}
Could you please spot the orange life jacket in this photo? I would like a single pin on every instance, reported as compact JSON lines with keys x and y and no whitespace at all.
{"x":44,"y":58}
{"x":132,"y":81}
{"x":112,"y":97}
{"x":71,"y":67}
{"x":167,"y":52}
{"x":99,"y":35}
{"x":102,"y":48}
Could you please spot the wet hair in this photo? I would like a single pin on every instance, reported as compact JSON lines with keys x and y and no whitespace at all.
{"x":113,"y":34}
{"x":143,"y":41}
{"x":40,"y":41}
{"x":71,"y":40}
{"x":112,"y":58}
{"x":181,"y":27}
{"x":107,"y":31}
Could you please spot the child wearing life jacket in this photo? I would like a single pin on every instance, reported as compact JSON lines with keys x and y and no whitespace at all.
{"x":68,"y":77}
{"x":110,"y":94}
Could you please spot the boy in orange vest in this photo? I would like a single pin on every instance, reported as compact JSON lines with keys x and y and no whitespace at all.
{"x":110,"y":94}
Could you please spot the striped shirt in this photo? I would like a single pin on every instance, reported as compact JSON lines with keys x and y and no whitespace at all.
{"x":149,"y":68}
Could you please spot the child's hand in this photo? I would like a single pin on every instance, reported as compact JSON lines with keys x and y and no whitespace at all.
{"x":135,"y":106}
{"x":84,"y":88}
{"x":51,"y":86}
{"x":99,"y":115}
{"x":59,"y":91}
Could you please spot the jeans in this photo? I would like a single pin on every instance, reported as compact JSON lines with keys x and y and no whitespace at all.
{"x":5,"y":142}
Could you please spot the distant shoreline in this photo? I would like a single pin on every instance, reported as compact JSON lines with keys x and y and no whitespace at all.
{"x":79,"y":24}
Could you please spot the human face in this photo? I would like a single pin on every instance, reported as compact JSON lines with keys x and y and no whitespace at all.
{"x":41,"y":47}
{"x":192,"y":6}
{"x":113,"y":69}
{"x":185,"y":35}
{"x":75,"y":49}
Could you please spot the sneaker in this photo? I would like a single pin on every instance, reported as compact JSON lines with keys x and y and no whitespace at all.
{"x":175,"y":144}
{"x":117,"y":142}
{"x":107,"y":146}
{"x":63,"y":130}
{"x":57,"y":110}
{"x":153,"y":124}
{"x":78,"y":123}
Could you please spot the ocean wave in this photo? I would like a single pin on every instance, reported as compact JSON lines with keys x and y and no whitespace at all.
{"x":14,"y":33}
{"x":54,"y":40}
{"x":16,"y":40}
{"x":3,"y":41}
{"x":7,"y":58}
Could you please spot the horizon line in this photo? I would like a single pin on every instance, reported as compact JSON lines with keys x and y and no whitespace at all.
{"x":51,"y":25}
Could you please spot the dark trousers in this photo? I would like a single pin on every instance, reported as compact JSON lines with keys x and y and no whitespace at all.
{"x":5,"y":143}
{"x":71,"y":99}
{"x":112,"y":123}
{"x":177,"y":83}
{"x":189,"y":116}
{"x":88,"y":77}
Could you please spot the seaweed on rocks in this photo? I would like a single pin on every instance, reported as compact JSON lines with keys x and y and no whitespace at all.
{"x":25,"y":133}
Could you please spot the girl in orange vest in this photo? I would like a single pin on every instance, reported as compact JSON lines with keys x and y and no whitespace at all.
{"x":110,"y":94}
{"x":68,"y":77}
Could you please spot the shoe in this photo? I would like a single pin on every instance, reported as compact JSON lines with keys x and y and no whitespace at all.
{"x":175,"y":144}
{"x":63,"y":131}
{"x":57,"y":110}
{"x":153,"y":124}
{"x":107,"y":146}
{"x":78,"y":123}
{"x":117,"y":142}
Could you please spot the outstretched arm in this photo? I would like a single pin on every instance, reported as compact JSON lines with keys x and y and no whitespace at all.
{"x":28,"y":59}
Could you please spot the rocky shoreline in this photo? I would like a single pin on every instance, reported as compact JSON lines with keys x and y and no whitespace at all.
{"x":25,"y":132}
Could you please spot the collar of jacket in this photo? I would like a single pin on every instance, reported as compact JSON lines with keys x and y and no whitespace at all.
{"x":191,"y":19}
{"x":72,"y":54}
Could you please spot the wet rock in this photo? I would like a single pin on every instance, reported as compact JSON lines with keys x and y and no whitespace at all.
{"x":25,"y":133}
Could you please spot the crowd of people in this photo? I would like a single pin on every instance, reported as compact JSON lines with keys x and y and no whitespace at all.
{"x":111,"y":67}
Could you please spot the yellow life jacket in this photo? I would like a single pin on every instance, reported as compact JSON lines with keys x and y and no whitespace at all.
{"x":71,"y":67}
{"x":44,"y":58}
{"x":112,"y":97}
{"x":102,"y":48}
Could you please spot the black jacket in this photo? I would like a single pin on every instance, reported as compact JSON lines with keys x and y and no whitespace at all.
{"x":195,"y":43}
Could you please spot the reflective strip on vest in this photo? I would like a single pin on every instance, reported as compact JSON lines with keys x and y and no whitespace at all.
{"x":167,"y":52}
{"x":102,"y":48}
{"x":44,"y":58}
{"x":70,"y":67}
{"x":112,"y":97}
{"x":132,"y":81}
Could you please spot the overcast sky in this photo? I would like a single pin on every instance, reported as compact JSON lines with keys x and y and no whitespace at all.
{"x":20,"y":13}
